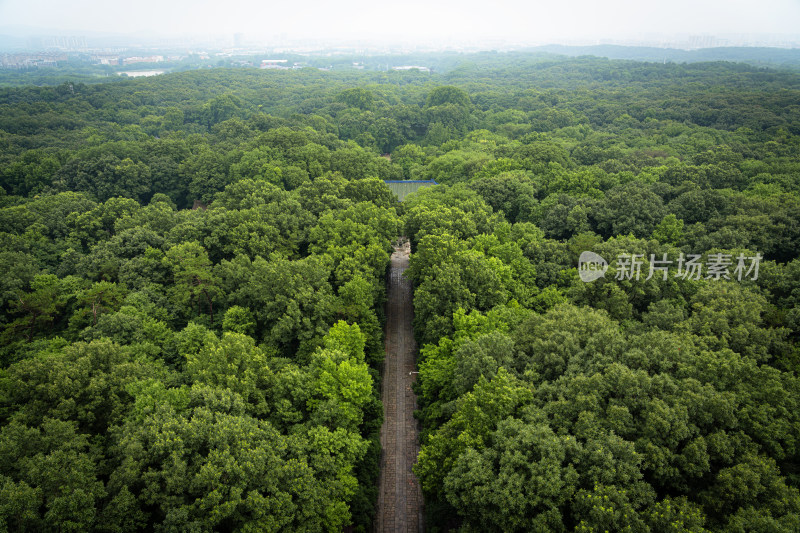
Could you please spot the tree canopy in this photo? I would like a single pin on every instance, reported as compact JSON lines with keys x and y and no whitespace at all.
{"x":192,"y":306}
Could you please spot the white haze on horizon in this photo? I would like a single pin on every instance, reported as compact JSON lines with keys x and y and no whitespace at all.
{"x":415,"y":20}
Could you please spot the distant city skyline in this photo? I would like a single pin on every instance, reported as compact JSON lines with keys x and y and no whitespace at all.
{"x":50,"y":39}
{"x":657,"y":22}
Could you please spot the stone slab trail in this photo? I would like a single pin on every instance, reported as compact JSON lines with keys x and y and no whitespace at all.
{"x":400,"y":497}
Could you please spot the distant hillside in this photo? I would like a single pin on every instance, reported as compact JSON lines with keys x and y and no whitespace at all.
{"x":786,"y":57}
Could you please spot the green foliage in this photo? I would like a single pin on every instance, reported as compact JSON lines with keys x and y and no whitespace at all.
{"x":193,"y":299}
{"x":447,"y":94}
{"x":669,"y":230}
{"x":357,"y":97}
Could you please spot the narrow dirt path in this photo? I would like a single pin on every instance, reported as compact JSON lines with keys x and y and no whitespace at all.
{"x":400,"y":497}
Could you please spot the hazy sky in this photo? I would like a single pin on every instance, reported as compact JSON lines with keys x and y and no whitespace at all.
{"x":532,"y":20}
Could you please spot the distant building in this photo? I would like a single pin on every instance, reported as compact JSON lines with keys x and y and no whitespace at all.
{"x":274,"y":63}
{"x":25,"y":61}
{"x":69,"y":43}
{"x":412,"y":67}
{"x":106,"y":59}
{"x":145,"y":59}
{"x":141,"y":73}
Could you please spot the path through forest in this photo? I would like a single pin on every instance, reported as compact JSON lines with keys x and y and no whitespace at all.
{"x":400,"y":497}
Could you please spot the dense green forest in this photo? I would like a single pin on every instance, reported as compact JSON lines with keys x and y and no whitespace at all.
{"x":194,"y":287}
{"x":79,"y":67}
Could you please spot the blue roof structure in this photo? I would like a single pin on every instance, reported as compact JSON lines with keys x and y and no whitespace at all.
{"x":403,"y":188}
